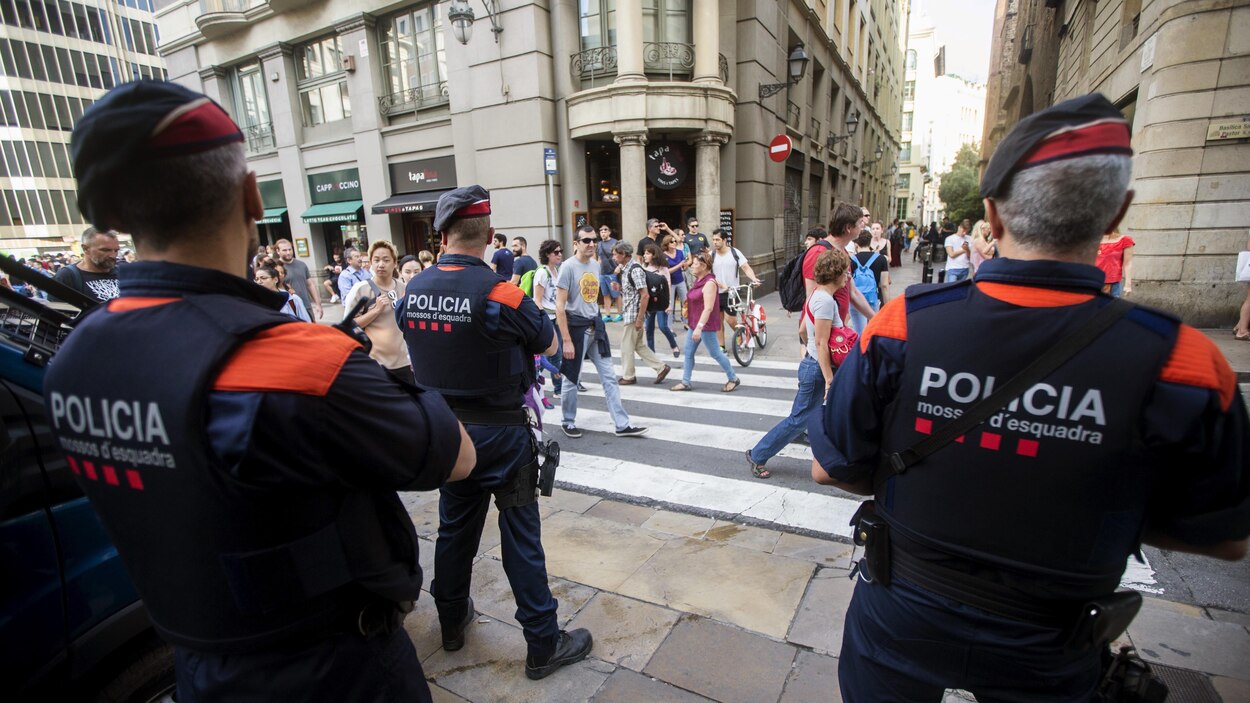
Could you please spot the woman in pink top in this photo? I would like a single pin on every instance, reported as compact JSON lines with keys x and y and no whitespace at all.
{"x":1115,"y":258}
{"x":982,"y":245}
{"x":1241,"y":332}
{"x":703,"y":315}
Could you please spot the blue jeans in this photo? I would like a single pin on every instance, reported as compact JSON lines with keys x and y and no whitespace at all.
{"x":904,"y":643}
{"x":679,"y":295}
{"x":858,"y":321}
{"x":807,"y":400}
{"x":1117,"y":289}
{"x":708,"y":339}
{"x":662,"y":319}
{"x":607,"y":378}
{"x":956,"y":274}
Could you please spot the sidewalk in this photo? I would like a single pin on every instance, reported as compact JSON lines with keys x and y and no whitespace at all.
{"x":687,"y":608}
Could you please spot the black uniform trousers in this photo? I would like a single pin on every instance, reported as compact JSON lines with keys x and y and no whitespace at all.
{"x":501,"y":452}
{"x":345,"y":668}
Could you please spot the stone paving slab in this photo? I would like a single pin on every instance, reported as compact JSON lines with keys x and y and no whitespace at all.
{"x":819,"y":551}
{"x":596,"y":552}
{"x":722,"y":662}
{"x":679,"y":524}
{"x":1170,"y":636}
{"x":627,"y":631}
{"x":751,"y":589}
{"x":491,"y":667}
{"x":744,"y":536}
{"x":621,"y":512}
{"x":1231,"y":690}
{"x":813,"y":678}
{"x":818,"y":623}
{"x":492,"y":594}
{"x":442,"y":695}
{"x":625,"y":686}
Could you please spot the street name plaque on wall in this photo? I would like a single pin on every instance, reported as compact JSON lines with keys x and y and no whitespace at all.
{"x":1238,"y":128}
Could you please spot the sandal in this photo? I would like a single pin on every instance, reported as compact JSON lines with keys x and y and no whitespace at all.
{"x":757,"y":470}
{"x":731,"y":386}
{"x":683,"y":386}
{"x":1241,"y":337}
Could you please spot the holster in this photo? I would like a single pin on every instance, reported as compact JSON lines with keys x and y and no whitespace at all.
{"x":1103,"y":619}
{"x":380,"y":617}
{"x":873,"y":534}
{"x":522,"y":490}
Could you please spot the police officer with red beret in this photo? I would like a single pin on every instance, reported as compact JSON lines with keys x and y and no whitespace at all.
{"x":218,"y":439}
{"x":1023,"y":435}
{"x":473,"y":336}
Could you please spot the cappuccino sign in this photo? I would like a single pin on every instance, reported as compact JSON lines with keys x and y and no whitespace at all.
{"x":666,"y":165}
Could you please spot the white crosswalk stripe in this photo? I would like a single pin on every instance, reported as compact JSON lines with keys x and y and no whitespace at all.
{"x":681,"y":425}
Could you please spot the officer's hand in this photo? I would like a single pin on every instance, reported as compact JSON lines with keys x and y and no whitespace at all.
{"x":569,"y":352}
{"x":466,"y":459}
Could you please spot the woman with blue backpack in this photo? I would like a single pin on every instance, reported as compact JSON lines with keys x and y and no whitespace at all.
{"x":870,"y":273}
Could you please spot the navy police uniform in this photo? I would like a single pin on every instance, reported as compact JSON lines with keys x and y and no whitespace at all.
{"x":472,"y":337}
{"x":245,"y":464}
{"x":998,"y":539}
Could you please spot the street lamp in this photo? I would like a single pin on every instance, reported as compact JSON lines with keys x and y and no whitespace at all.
{"x":461,"y":17}
{"x":852,"y":121}
{"x":797,"y":64}
{"x":876,"y":156}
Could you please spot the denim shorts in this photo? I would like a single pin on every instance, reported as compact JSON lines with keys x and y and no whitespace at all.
{"x":605,"y":285}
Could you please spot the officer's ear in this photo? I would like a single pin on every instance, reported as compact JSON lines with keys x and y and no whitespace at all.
{"x":992,"y":217}
{"x":1119,"y":216}
{"x":253,"y":206}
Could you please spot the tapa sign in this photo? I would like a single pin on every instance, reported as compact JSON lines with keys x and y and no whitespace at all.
{"x":425,"y":174}
{"x":667,"y":166}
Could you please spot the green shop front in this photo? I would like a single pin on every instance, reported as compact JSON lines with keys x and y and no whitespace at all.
{"x":276,"y":223}
{"x":336,"y":216}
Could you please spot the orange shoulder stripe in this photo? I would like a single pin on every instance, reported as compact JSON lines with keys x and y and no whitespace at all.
{"x":1196,"y":361}
{"x":137,"y":303}
{"x":890,"y":321}
{"x":296,"y":357}
{"x":1031,"y":297}
{"x":505,"y":293}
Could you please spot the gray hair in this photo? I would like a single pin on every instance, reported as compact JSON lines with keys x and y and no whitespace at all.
{"x":1065,"y":206}
{"x":652,"y":221}
{"x":623,"y":248}
{"x":91,"y":232}
{"x":162,"y":201}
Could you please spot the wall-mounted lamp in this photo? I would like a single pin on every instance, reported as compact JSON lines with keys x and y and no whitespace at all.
{"x":461,"y":17}
{"x":852,"y":121}
{"x":274,"y":76}
{"x":798,"y":66}
{"x":349,"y":63}
{"x":876,"y":156}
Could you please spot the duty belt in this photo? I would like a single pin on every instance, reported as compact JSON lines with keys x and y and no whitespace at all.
{"x":497,"y":418}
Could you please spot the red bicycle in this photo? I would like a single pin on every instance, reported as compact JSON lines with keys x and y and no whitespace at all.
{"x":752,"y":327}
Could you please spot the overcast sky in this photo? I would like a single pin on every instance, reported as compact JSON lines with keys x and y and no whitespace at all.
{"x":966,"y":28}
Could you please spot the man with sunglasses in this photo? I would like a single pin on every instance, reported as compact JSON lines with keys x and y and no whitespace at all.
{"x":609,"y":282}
{"x":582,"y":331}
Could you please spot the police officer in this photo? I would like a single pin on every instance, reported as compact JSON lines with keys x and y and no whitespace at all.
{"x":993,"y":544}
{"x":473,"y":336}
{"x":220,"y":440}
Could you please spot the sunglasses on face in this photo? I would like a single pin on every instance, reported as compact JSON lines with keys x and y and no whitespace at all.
{"x":557,"y":251}
{"x":587,"y":240}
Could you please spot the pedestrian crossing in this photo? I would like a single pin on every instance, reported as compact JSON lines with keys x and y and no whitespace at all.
{"x":692,"y":456}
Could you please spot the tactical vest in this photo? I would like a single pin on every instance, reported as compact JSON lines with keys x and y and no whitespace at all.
{"x":1066,"y":459}
{"x":444,"y":323}
{"x":223,"y":564}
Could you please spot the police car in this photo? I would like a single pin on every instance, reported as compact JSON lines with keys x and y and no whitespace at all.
{"x":72,"y":626}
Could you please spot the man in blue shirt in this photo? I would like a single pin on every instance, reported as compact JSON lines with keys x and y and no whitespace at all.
{"x":353,"y":274}
{"x":503,"y":257}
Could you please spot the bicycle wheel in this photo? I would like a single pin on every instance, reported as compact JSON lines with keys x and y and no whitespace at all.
{"x":744,"y":351}
{"x":761,"y":334}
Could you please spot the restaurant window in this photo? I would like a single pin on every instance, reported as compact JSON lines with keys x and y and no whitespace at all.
{"x":322,"y":82}
{"x":414,"y":58}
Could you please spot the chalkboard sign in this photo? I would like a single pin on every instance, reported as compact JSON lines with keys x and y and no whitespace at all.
{"x":580,"y":219}
{"x":727,"y":222}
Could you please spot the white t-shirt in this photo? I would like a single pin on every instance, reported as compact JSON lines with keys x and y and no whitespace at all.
{"x":725,"y":268}
{"x":960,"y":261}
{"x":823,"y":307}
{"x":543,"y":277}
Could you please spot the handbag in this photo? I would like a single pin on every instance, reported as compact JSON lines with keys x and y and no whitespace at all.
{"x":842,"y":339}
{"x":1243,"y":267}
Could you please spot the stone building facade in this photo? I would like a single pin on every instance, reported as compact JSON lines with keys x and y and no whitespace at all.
{"x":360,"y":112}
{"x":1180,"y":72}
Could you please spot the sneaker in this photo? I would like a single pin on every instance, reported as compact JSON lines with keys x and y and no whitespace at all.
{"x":571,"y":648}
{"x":555,"y":390}
{"x":453,"y":634}
{"x":607,"y":317}
{"x":571,"y":431}
{"x":617,"y":318}
{"x":631,"y":431}
{"x":547,"y":403}
{"x":334,"y":299}
{"x":581,"y":387}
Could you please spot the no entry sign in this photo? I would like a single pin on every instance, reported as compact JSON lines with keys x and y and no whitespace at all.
{"x":779,"y":148}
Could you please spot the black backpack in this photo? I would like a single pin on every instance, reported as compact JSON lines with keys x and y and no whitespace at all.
{"x":790,"y":281}
{"x":657,"y":290}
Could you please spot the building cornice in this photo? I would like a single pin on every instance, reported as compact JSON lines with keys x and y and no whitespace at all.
{"x":362,"y":20}
{"x":275,"y":50}
{"x":212,"y":72}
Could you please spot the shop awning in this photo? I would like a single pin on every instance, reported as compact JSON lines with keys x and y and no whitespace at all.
{"x":273,"y":216}
{"x":346,"y":211}
{"x":409,"y":202}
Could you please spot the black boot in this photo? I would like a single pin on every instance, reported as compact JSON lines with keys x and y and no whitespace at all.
{"x":570,"y":649}
{"x":453,"y":633}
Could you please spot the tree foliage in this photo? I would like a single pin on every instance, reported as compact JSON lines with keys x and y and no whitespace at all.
{"x":960,"y":190}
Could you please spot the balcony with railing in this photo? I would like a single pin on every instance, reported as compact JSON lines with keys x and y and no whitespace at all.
{"x":258,"y":138}
{"x":673,"y":61}
{"x":414,"y":99}
{"x":218,"y":18}
{"x":793,"y":114}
